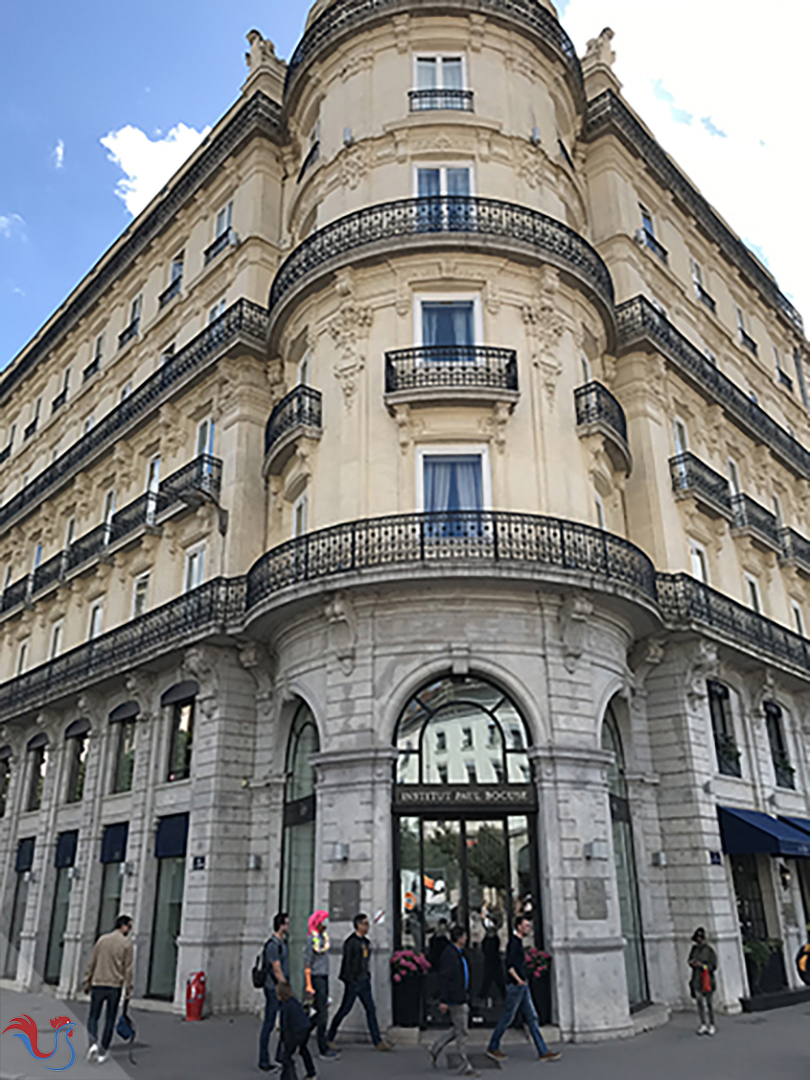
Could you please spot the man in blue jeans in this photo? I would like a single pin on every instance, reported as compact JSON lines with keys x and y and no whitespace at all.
{"x":356,"y":977}
{"x":277,"y":963}
{"x":518,"y":996}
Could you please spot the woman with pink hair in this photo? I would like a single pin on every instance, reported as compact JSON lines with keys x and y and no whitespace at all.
{"x":316,"y":973}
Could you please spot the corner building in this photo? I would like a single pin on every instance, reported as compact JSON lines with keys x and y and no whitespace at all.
{"x":465,"y":575}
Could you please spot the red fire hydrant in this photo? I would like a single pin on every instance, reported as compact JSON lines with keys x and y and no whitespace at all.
{"x":195,"y":995}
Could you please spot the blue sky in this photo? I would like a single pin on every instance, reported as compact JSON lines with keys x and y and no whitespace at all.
{"x":72,"y":73}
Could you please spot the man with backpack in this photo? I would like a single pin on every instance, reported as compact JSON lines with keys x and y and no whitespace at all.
{"x":356,"y":978}
{"x":275,"y":962}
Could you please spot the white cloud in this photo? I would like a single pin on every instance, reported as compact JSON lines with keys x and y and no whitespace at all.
{"x":58,"y":154}
{"x":737,"y":80}
{"x":11,"y":225}
{"x":147,"y":163}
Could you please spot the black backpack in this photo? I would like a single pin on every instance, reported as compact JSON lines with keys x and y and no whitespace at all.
{"x":261,"y":968}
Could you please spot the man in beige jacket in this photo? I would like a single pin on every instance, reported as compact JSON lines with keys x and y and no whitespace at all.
{"x":109,"y":970}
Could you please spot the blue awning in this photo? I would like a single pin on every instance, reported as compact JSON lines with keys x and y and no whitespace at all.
{"x":800,"y":823}
{"x":749,"y":832}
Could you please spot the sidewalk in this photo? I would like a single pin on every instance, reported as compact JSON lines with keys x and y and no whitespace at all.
{"x":774,"y":1044}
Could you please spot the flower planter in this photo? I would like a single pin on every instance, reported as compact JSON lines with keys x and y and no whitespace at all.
{"x":407,"y":1001}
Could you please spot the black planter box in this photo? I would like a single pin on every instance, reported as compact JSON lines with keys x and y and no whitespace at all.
{"x":407,"y":1001}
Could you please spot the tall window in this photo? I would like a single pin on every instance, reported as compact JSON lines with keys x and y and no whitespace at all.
{"x":22,"y":657}
{"x":205,"y":437}
{"x":300,"y":515}
{"x":224,"y":219}
{"x":113,"y":856}
{"x":176,"y":271}
{"x":447,"y":325}
{"x":5,"y":777}
{"x":782,"y":768}
{"x":440,"y":83}
{"x":182,"y":738}
{"x":453,"y":211}
{"x":98,"y":348}
{"x":733,"y":477}
{"x":216,"y":310}
{"x":754,"y":600}
{"x":452,"y":482}
{"x":135,"y":313}
{"x":37,"y":766}
{"x":681,"y":437}
{"x":22,"y":867}
{"x":77,"y":740}
{"x":140,"y":595}
{"x":700,"y":566}
{"x":725,"y":743}
{"x":798,"y":619}
{"x":70,"y":532}
{"x":96,"y":620}
{"x":195,"y":568}
{"x":124,"y":755}
{"x":109,"y":507}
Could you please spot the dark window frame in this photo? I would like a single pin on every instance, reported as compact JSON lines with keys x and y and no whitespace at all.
{"x":173,"y":774}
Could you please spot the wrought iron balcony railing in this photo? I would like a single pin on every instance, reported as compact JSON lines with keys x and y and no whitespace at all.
{"x":209,"y":609}
{"x":170,"y":292}
{"x":219,"y":245}
{"x":752,"y":519}
{"x":49,"y":572}
{"x":796,"y":549}
{"x":423,"y":100}
{"x":705,"y":298}
{"x":684,"y":599}
{"x":638,"y":321}
{"x":607,"y":112}
{"x":458,"y":214}
{"x":694,"y":479}
{"x":655,"y":246}
{"x":242,"y":319}
{"x":343,"y":18}
{"x":483,"y":538}
{"x":596,"y":405}
{"x":428,"y":367}
{"x":129,"y":332}
{"x":301,"y":408}
{"x":748,"y":342}
{"x":59,"y":400}
{"x":14,"y":594}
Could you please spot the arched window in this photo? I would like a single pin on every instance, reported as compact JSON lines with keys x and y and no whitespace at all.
{"x":37,"y":766}
{"x":77,"y":741}
{"x":298,"y":874}
{"x":461,"y":731}
{"x":774,"y":722}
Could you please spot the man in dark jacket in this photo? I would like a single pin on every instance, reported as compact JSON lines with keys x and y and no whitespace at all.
{"x":295,"y":1029}
{"x":454,"y":997}
{"x":277,"y":964}
{"x":356,"y":977}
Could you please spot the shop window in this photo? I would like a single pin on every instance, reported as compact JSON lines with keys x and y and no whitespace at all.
{"x":22,"y":874}
{"x":113,"y":860}
{"x":64,"y":860}
{"x":171,"y":841}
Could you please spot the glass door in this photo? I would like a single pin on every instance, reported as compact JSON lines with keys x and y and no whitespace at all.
{"x":110,"y":907}
{"x":56,"y":943}
{"x":168,"y":913}
{"x":629,"y":908}
{"x":15,"y":928}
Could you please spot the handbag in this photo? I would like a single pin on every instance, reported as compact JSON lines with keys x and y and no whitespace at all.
{"x":125,"y":1029}
{"x":705,"y":981}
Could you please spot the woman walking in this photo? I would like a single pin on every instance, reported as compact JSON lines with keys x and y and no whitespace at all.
{"x":316,"y":974}
{"x":703,"y":962}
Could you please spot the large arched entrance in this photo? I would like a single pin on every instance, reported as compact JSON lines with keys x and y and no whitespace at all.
{"x":298,"y":845}
{"x":465,"y":814}
{"x":626,"y":878}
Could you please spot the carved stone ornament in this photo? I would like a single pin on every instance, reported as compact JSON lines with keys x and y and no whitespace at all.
{"x":599,"y":51}
{"x":353,"y":165}
{"x":262,"y":664}
{"x":704,"y":663}
{"x":645,"y":656}
{"x":574,"y":615}
{"x":262,"y":51}
{"x":340,"y":616}
{"x":348,"y":327}
{"x":531,"y":165}
{"x":199,"y":663}
{"x":140,"y":685}
{"x":544,"y":328}
{"x":493,"y":426}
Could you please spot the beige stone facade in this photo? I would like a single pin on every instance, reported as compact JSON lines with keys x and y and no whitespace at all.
{"x":429,"y":364}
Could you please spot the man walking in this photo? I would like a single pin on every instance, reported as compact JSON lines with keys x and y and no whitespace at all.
{"x":109,"y":969}
{"x":277,"y":966}
{"x":518,"y":997}
{"x":356,"y":977}
{"x":454,"y":996}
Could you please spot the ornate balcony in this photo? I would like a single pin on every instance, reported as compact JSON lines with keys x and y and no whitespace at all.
{"x":129,"y":332}
{"x":345,"y":18}
{"x":598,"y":412}
{"x":456,"y":540}
{"x":605,"y":113}
{"x":16,"y":593}
{"x":297,"y":415}
{"x":219,"y":245}
{"x":169,"y":294}
{"x":751,"y":519}
{"x":639,"y":322}
{"x":425,"y":100}
{"x":796,"y":550}
{"x":444,"y":374}
{"x":48,"y":573}
{"x":684,"y":600}
{"x":244,"y":321}
{"x":463,"y":221}
{"x":692,"y":479}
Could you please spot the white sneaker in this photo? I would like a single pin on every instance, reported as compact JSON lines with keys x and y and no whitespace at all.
{"x":702,"y":1030}
{"x":92,"y":1053}
{"x":712,"y":1030}
{"x":102,"y":1058}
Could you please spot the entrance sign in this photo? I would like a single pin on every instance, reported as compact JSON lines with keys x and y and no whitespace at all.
{"x":517,"y":796}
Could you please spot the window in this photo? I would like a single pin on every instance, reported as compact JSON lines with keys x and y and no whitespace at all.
{"x":442,"y":185}
{"x":88,"y":424}
{"x":109,"y":507}
{"x":799,"y":366}
{"x":646,"y":220}
{"x":22,"y":657}
{"x":37,"y":767}
{"x":37,"y":556}
{"x":5,"y":778}
{"x":98,"y":349}
{"x":300,"y":516}
{"x":492,"y":735}
{"x":446,"y":329}
{"x":782,"y":768}
{"x":441,"y":742}
{"x":599,"y":507}
{"x":126,"y":390}
{"x":135,"y":313}
{"x":216,"y":310}
{"x":754,"y":600}
{"x":472,"y":775}
{"x":9,"y":573}
{"x":66,"y":382}
{"x":440,"y":84}
{"x":700,"y":566}
{"x":195,"y":568}
{"x":681,"y":437}
{"x":725,"y":744}
{"x":181,"y":741}
{"x":452,"y":483}
{"x":586,"y":367}
{"x":516,"y":738}
{"x":739,"y":314}
{"x":176,"y":270}
{"x":56,"y":640}
{"x":442,"y":773}
{"x":697,"y":276}
{"x":12,"y":432}
{"x":466,"y":738}
{"x":733,"y":476}
{"x":205,"y":437}
{"x":153,"y":474}
{"x":96,"y":620}
{"x":70,"y":532}
{"x":124,"y":760}
{"x":78,"y":741}
{"x":167,"y":353}
{"x":303,"y":370}
{"x":140,"y":592}
{"x":798,"y":618}
{"x":224,"y":219}
{"x":777,"y":511}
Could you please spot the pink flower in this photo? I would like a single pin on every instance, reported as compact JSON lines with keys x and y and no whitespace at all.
{"x":397,"y":978}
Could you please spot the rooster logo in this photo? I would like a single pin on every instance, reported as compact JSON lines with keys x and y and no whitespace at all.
{"x":26,"y":1032}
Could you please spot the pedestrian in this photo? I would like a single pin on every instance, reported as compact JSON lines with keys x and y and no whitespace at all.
{"x":454,"y":998}
{"x":277,"y":970}
{"x":356,"y":977}
{"x":316,"y":974}
{"x":109,"y":969}
{"x":295,"y":1027}
{"x":491,"y":950}
{"x":518,"y":997}
{"x":703,"y":962}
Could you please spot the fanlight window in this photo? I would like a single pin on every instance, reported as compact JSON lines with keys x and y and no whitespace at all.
{"x":462,"y":731}
{"x":303,"y":743}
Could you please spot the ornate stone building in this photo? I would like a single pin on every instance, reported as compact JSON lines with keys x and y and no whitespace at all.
{"x":411,"y":512}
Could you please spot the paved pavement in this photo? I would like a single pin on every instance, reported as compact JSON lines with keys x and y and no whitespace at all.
{"x":773,"y":1044}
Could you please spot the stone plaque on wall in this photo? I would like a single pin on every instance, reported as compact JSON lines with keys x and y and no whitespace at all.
{"x":344,"y":900}
{"x":591,"y":898}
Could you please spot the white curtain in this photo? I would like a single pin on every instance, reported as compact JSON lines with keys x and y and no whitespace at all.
{"x":453,"y":483}
{"x":437,"y":475}
{"x":468,"y":482}
{"x":451,"y":73}
{"x":447,"y":323}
